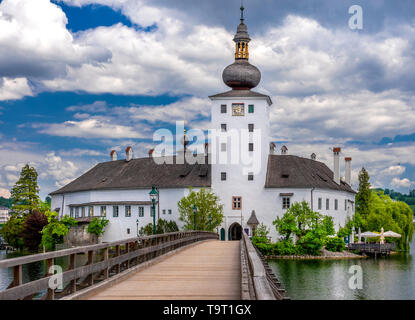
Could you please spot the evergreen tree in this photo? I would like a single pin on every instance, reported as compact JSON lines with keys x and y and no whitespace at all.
{"x":25,"y":192}
{"x":364,"y":194}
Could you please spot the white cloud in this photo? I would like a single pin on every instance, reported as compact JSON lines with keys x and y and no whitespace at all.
{"x":11,"y":89}
{"x":91,"y":128}
{"x":4,"y":193}
{"x":61,"y":171}
{"x":394,"y":170}
{"x":401,"y":183}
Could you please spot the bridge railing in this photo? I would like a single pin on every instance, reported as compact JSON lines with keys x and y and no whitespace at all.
{"x":102,"y":262}
{"x":258,"y":281}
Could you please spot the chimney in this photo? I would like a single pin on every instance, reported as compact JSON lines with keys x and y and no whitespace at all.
{"x":348,"y":174}
{"x":128,"y":154}
{"x":284,"y":150}
{"x":150,"y":153}
{"x":336,"y":169}
{"x":113,"y":155}
{"x":313,"y":156}
{"x":272,"y":148}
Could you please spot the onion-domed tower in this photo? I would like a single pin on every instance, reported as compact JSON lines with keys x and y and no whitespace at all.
{"x":240,"y":149}
{"x":241,"y":75}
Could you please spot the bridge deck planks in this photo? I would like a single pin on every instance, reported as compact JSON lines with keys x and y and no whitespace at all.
{"x":210,"y":270}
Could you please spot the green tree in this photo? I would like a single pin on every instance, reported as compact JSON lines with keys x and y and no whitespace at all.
{"x":208,"y":205}
{"x":12,"y":232}
{"x":25,"y":192}
{"x":364,"y":194}
{"x":55,"y":231}
{"x":97,"y":226}
{"x":297,"y":220}
{"x":163,"y":226}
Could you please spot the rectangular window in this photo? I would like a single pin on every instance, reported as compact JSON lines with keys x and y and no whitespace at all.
{"x":164,"y":211}
{"x":286,"y":203}
{"x":141,"y":212}
{"x":83,"y":212}
{"x":223,"y":108}
{"x":251,"y":147}
{"x":223,"y":176}
{"x":251,"y":108}
{"x":223,"y":147}
{"x":128,"y":231}
{"x":71,"y":212}
{"x":76,"y":212}
{"x":169,"y":211}
{"x":336,"y":204}
{"x":251,"y":127}
{"x":345,"y":205}
{"x":128,"y":211}
{"x":103,"y":211}
{"x":320,"y":204}
{"x":236,"y":203}
{"x":90,"y":211}
{"x":151,"y":212}
{"x":115,"y":212}
{"x":327,"y":204}
{"x":223,"y":127}
{"x":250,"y":176}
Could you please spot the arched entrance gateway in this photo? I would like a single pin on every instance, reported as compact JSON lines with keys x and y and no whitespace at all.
{"x":235,"y":232}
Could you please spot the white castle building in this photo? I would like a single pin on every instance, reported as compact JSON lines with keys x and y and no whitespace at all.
{"x":119,"y":189}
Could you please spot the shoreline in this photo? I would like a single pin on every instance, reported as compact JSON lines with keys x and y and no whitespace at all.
{"x":327,"y":255}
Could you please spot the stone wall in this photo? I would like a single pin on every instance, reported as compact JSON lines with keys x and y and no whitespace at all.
{"x":78,"y":236}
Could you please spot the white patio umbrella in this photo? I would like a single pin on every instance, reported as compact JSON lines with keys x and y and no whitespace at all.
{"x":382,"y":237}
{"x":392,"y":234}
{"x":369,"y":234}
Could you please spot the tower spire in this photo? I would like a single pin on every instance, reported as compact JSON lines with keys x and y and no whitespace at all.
{"x":242,"y":11}
{"x":241,"y":75}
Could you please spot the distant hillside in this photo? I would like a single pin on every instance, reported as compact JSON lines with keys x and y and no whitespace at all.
{"x":5,"y":202}
{"x":407,"y":198}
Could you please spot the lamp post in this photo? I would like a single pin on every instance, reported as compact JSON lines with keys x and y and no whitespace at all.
{"x":153,"y":197}
{"x":137,"y":228}
{"x":210,"y":223}
{"x":194,"y":216}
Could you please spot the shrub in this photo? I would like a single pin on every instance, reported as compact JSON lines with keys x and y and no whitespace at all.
{"x":285,"y":248}
{"x":310,"y":244}
{"x":97,"y":226}
{"x":335,"y":244}
{"x":257,"y":240}
{"x":267,"y":249}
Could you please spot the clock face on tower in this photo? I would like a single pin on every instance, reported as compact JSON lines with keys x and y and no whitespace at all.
{"x":238,"y":109}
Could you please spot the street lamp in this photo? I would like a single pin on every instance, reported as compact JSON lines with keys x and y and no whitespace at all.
{"x":153,"y":197}
{"x":194,"y":216}
{"x":210,"y":223}
{"x":137,"y":228}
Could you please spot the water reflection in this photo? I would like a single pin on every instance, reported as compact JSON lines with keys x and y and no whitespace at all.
{"x":383,"y":278}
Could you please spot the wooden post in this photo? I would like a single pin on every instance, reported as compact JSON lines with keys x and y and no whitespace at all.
{"x":72,"y":266}
{"x":90,"y":261}
{"x":127,"y":250}
{"x":106,"y":270}
{"x":117,"y":254}
{"x":17,"y":276}
{"x":50,"y":295}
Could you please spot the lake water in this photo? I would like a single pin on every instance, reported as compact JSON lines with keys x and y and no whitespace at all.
{"x":383,"y":278}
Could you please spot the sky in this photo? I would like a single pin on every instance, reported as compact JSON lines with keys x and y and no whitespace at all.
{"x":79,"y":78}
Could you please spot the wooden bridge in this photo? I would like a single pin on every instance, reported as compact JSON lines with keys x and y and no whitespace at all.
{"x":176,"y":266}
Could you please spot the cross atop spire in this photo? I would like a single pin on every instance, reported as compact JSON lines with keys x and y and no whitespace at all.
{"x":242,"y":12}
